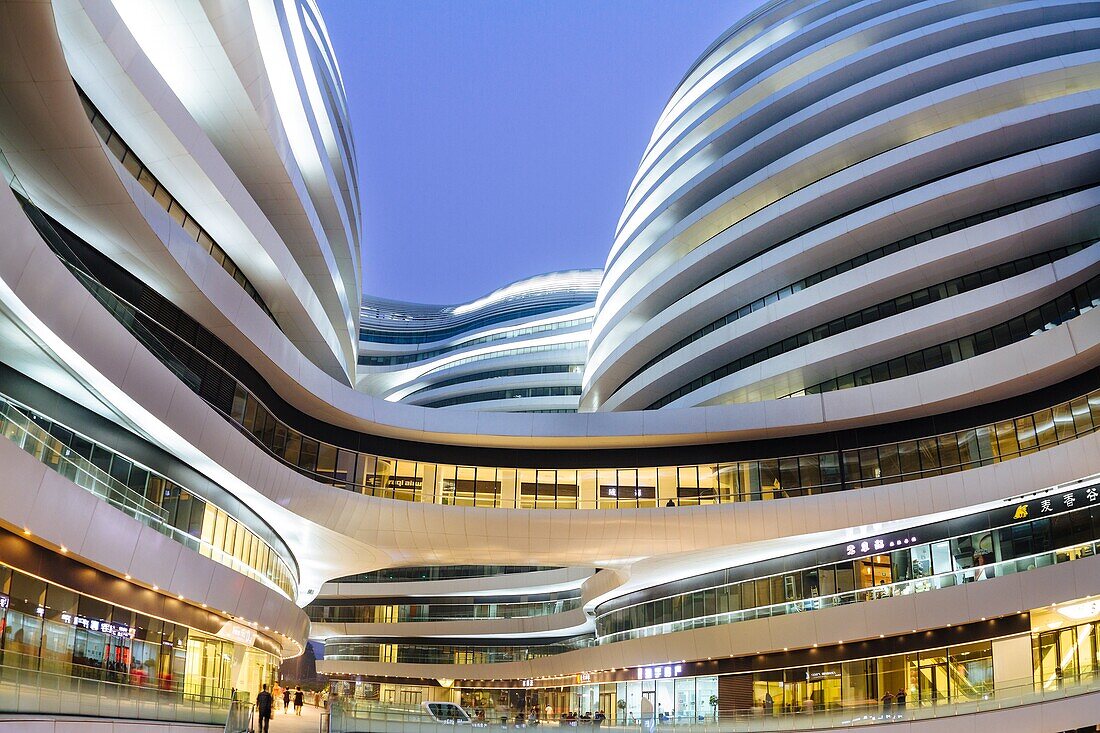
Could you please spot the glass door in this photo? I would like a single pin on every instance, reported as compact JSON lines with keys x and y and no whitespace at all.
{"x":932,"y":678}
{"x":1067,"y":654}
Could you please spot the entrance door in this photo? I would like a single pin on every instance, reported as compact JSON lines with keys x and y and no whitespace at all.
{"x":607,"y":704}
{"x":1065,"y":654}
{"x":932,"y":683}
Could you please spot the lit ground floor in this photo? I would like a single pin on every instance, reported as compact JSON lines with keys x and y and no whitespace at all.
{"x":1039,"y":652}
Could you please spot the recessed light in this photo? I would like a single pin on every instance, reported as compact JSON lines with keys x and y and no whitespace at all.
{"x":127,"y":576}
{"x":64,"y":550}
{"x":26,"y":530}
{"x":156,"y":587}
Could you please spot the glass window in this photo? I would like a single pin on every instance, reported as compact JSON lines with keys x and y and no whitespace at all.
{"x":1044,"y":428}
{"x":1025,"y":434}
{"x":809,"y":471}
{"x":949,"y":452}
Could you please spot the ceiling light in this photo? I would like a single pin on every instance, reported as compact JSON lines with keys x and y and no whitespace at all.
{"x":1080,"y":611}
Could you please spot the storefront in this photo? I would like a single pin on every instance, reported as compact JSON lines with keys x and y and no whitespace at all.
{"x":1039,"y":650}
{"x":1066,"y":647}
{"x":52,"y":629}
{"x":661,"y":694}
{"x":403,"y":695}
{"x":1011,"y":539}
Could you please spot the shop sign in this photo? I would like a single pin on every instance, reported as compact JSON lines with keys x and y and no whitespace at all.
{"x":104,"y":627}
{"x":237,"y":633}
{"x":614,"y":491}
{"x":4,"y":601}
{"x":1068,"y":501}
{"x":876,"y":545}
{"x":659,"y":671}
{"x":813,"y":675}
{"x":584,"y":677}
{"x":396,"y":483}
{"x":528,"y":683}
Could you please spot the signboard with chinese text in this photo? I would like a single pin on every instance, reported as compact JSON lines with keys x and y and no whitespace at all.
{"x":659,"y":671}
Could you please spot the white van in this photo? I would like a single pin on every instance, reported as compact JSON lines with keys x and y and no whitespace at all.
{"x":447,"y":713}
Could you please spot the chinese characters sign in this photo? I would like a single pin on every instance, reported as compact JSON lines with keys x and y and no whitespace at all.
{"x":1057,"y":504}
{"x":879,"y":544}
{"x":659,"y":671}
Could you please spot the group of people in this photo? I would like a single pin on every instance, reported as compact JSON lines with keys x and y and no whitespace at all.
{"x":889,"y":701}
{"x":265,"y":703}
{"x":573,"y":719}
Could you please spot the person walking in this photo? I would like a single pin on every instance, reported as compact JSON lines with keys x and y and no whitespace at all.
{"x":299,"y":700}
{"x":286,"y":700}
{"x":264,"y":703}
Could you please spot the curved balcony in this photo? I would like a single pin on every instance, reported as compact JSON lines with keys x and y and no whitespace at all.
{"x":557,"y":488}
{"x":200,"y":525}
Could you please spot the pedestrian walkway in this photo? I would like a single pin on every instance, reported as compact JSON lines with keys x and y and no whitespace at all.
{"x":308,"y":722}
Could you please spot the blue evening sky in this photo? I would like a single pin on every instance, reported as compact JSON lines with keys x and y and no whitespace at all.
{"x":496,"y":139}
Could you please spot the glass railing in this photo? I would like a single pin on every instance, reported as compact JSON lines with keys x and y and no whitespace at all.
{"x":20,"y":429}
{"x":352,"y":716}
{"x":395,"y":651}
{"x":57,"y":692}
{"x":1065,"y":307}
{"x":903,"y":588}
{"x":440,"y":572}
{"x":416,"y":612}
{"x":239,"y":718}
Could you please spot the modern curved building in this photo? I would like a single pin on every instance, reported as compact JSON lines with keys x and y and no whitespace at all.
{"x":521,"y":348}
{"x":836,"y":454}
{"x":829,"y":166}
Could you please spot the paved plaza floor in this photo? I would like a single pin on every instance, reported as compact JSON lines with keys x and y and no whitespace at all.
{"x":308,"y":722}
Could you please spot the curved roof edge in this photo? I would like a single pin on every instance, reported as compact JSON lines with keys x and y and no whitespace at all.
{"x":559,"y":289}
